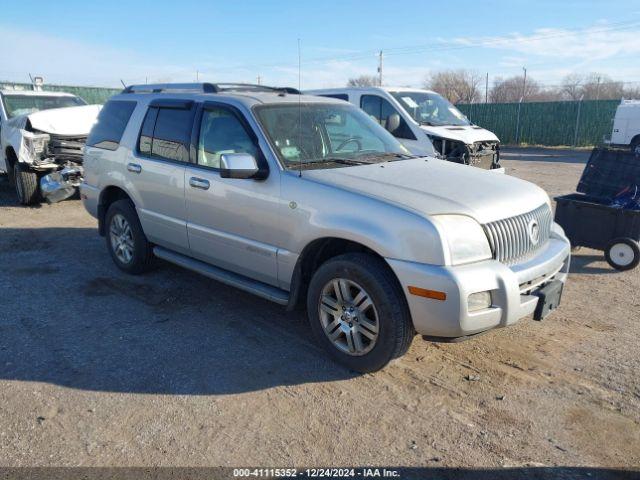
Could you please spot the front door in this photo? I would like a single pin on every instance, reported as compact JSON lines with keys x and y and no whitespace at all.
{"x":231,"y":223}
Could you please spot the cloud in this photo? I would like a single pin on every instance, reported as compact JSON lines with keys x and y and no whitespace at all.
{"x":596,"y":43}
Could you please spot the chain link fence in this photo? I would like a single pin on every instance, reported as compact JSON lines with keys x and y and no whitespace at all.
{"x":91,"y":95}
{"x":579,"y":123}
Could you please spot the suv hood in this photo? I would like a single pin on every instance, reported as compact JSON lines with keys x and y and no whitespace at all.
{"x":467,"y":134}
{"x":61,"y":121}
{"x":429,"y":186}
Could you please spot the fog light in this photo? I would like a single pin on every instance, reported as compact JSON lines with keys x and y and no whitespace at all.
{"x":479,"y":301}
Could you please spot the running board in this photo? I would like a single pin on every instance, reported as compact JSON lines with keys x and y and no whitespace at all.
{"x":224,"y":276}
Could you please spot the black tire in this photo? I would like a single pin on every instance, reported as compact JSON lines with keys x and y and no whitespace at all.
{"x":625,"y":258}
{"x":26,"y":184}
{"x":395,"y":328}
{"x":635,"y":146}
{"x":142,"y":258}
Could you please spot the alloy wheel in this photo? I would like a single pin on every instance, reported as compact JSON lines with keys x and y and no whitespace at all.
{"x":121,"y":238}
{"x":349,"y":317}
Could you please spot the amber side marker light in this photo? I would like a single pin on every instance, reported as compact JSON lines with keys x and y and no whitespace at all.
{"x":423,"y":292}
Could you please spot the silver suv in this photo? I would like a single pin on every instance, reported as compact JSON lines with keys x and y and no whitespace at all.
{"x":307,"y":200}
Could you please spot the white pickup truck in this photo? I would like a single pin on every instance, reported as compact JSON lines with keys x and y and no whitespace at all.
{"x":42,"y":135}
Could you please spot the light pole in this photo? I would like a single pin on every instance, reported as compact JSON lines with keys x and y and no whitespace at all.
{"x":524,"y":83}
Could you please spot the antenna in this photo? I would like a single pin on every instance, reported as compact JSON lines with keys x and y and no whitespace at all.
{"x":123,"y":84}
{"x":299,"y":110}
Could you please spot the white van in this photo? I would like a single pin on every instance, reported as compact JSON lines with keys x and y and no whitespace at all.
{"x":425,"y":122}
{"x":626,"y":125}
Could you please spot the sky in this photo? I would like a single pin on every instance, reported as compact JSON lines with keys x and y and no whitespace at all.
{"x":100,"y":43}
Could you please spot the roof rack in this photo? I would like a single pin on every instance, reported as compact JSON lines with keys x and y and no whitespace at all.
{"x":206,"y":88}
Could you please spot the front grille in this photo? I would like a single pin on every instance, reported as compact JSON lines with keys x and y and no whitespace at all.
{"x":511,"y":238}
{"x":64,"y":148}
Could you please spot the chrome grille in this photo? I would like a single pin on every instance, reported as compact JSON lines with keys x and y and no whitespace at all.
{"x":510,"y":238}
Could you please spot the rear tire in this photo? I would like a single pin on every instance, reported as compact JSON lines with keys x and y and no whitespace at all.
{"x":623,"y":254}
{"x":126,"y":241}
{"x":374,"y":327}
{"x":26,"y":183}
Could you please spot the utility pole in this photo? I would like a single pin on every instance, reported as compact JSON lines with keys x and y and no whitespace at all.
{"x":486,"y":89}
{"x":258,"y":79}
{"x":380,"y":68}
{"x":197,"y":76}
{"x":524,"y":83}
{"x":598,"y":89}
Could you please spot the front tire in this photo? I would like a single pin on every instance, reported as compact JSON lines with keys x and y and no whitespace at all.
{"x":623,"y":254}
{"x":358,"y":312}
{"x":26,"y":184}
{"x":126,"y":241}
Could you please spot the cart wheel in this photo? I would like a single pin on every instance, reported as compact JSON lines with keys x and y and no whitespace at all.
{"x":623,"y":254}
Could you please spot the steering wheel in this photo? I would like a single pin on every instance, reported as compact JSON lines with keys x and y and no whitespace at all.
{"x":348,"y":141}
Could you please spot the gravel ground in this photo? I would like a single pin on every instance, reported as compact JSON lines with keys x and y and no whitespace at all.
{"x":171,"y":369}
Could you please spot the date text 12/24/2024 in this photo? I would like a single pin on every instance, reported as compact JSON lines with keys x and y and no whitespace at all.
{"x":368,"y":472}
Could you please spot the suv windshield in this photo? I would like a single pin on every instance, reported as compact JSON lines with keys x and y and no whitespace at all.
{"x":16,"y":105}
{"x":326,"y":135}
{"x":428,"y":108}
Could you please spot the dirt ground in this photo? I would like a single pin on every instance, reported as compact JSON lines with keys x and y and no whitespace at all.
{"x":98,"y":368}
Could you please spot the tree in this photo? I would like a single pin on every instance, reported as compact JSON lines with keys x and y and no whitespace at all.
{"x":572,"y":86}
{"x":512,"y":89}
{"x":363,"y":81}
{"x":458,"y":86}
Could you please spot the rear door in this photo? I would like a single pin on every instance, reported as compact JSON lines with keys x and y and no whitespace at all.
{"x":232,"y":223}
{"x":156,"y":171}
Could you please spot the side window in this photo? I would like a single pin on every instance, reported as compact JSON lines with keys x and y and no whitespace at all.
{"x":380,"y":109}
{"x":372,"y":105}
{"x":222,"y":132}
{"x":166,"y":133}
{"x":112,"y":121}
{"x":146,"y":134}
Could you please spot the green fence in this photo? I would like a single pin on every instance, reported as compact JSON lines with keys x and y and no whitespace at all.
{"x":580,"y":124}
{"x":91,"y":95}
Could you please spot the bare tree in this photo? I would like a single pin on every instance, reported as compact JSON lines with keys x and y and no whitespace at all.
{"x":363,"y":81}
{"x":572,"y":86}
{"x":597,"y":86}
{"x":512,"y":89}
{"x":458,"y":86}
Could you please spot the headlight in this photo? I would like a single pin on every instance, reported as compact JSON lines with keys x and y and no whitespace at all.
{"x":35,"y":143}
{"x":464,"y":237}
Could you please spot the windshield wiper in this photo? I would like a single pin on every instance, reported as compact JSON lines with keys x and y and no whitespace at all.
{"x":384,"y":157}
{"x":342,"y":161}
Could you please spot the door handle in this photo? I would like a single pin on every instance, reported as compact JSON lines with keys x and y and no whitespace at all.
{"x":134,"y":167}
{"x":200,"y":183}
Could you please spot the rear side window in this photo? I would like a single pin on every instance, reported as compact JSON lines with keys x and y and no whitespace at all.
{"x":166,"y":133}
{"x":112,"y":121}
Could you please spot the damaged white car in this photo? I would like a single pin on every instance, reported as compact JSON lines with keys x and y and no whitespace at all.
{"x":42,"y":135}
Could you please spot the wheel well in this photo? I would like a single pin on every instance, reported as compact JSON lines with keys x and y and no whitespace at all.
{"x":635,"y":140}
{"x":314,"y":255}
{"x":107,"y":197}
{"x":10,"y":155}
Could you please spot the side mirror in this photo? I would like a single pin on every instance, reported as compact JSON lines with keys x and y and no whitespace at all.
{"x":238,"y":165}
{"x":393,"y":122}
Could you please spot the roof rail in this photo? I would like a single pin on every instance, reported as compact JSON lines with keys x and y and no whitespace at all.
{"x":206,"y":88}
{"x":172,"y":87}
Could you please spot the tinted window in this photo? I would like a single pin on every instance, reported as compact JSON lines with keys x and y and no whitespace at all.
{"x":112,"y":121}
{"x":146,"y":134}
{"x":380,"y":109}
{"x":339,"y":96}
{"x":222,"y":132}
{"x":166,"y":133}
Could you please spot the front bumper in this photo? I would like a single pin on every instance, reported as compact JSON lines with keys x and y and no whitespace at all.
{"x":512,"y":289}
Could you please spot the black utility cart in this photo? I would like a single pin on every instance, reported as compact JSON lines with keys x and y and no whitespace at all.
{"x":592,"y":219}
